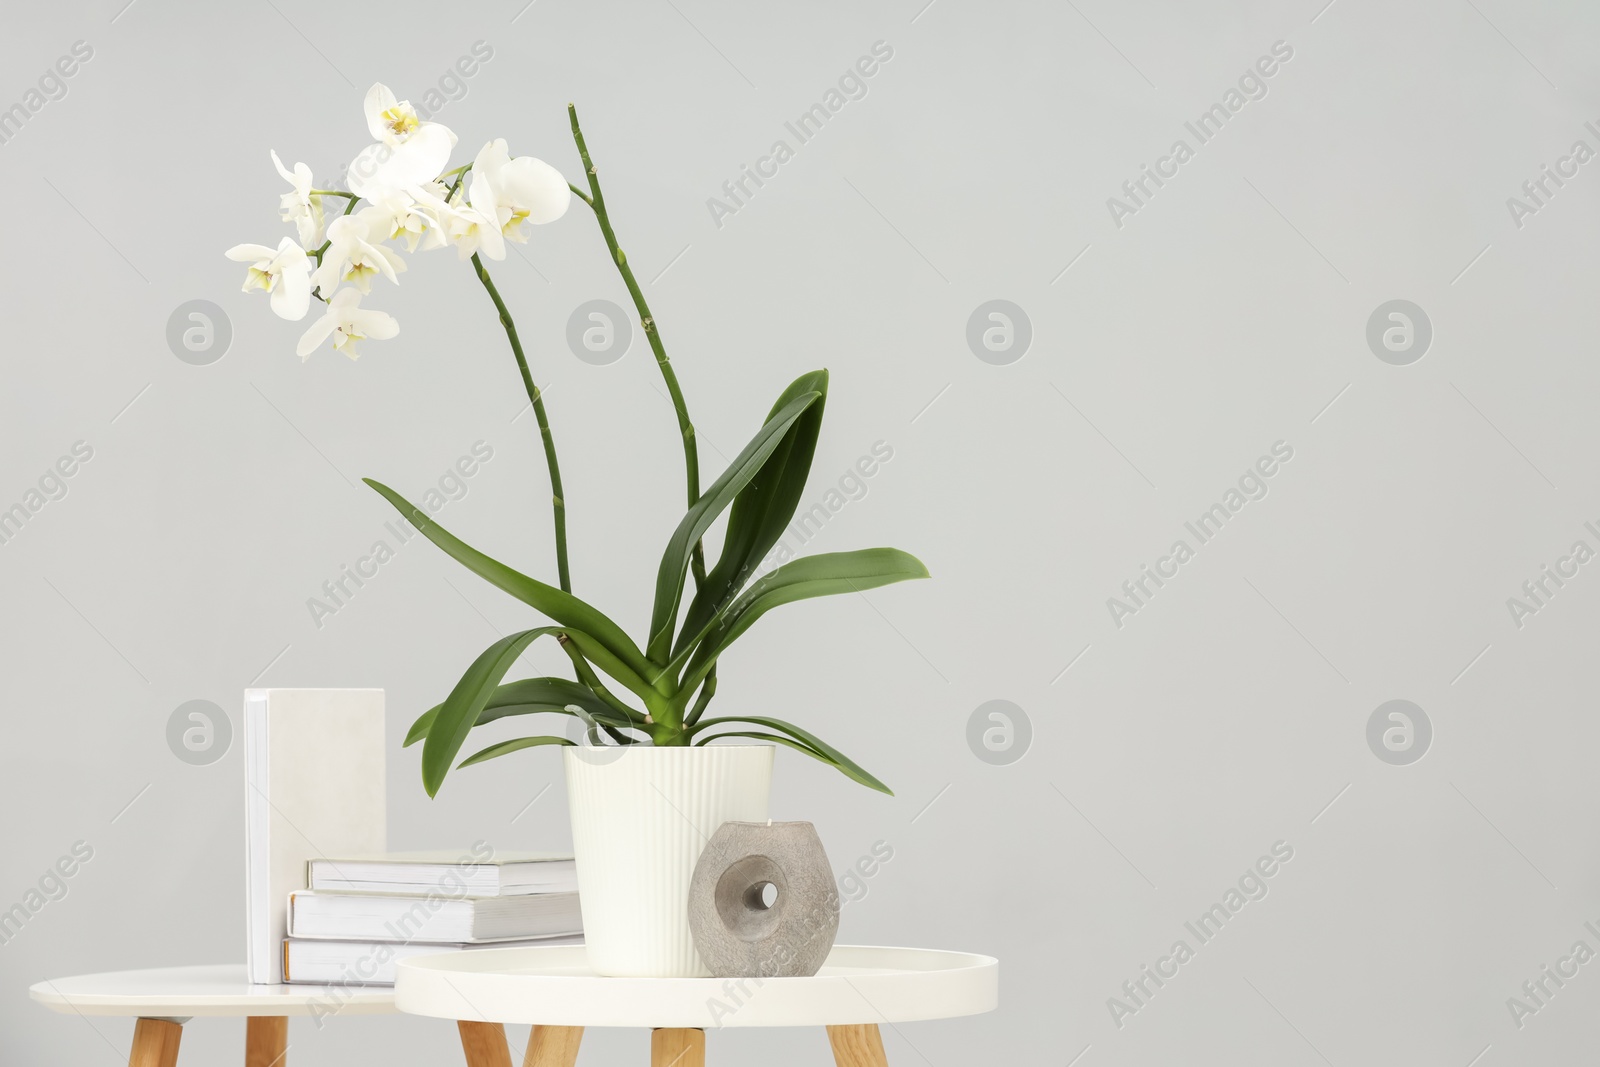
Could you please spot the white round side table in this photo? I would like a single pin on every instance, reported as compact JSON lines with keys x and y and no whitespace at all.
{"x":555,"y":989}
{"x":165,"y":998}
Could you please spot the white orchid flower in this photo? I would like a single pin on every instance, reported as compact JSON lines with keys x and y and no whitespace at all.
{"x":431,"y":204}
{"x":474,"y":223}
{"x":354,"y":254}
{"x":525,"y":189}
{"x":347,"y":322}
{"x":399,"y":216}
{"x":284,"y":272}
{"x":298,"y":205}
{"x":408,"y":152}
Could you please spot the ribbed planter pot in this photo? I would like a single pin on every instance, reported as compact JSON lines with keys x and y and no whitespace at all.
{"x":641,"y":816}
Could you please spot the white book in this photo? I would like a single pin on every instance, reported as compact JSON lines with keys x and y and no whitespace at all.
{"x":478,"y":873}
{"x":372,"y":962}
{"x":314,"y":786}
{"x":434,"y":917}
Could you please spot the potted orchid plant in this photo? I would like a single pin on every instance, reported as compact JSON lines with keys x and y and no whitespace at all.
{"x":647,"y":783}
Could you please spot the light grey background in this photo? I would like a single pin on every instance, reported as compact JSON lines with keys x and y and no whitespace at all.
{"x":1228,"y":314}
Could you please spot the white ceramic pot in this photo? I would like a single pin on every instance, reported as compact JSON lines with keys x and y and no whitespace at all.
{"x":641,"y":816}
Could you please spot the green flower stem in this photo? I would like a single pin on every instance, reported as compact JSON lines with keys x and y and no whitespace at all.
{"x":557,"y":501}
{"x":333,"y":192}
{"x":319,"y":252}
{"x":691,"y":453}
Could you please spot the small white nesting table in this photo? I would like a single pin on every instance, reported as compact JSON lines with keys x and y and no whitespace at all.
{"x":554,"y":989}
{"x":163,"y":999}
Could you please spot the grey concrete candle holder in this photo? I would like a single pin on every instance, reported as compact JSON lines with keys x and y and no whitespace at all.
{"x":742,"y":930}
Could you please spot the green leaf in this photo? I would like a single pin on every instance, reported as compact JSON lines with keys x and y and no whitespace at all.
{"x":698,"y":519}
{"x":515,"y":745}
{"x":459,"y":713}
{"x":762,"y":509}
{"x":526,"y":697}
{"x":799,"y":746}
{"x":419,"y":729}
{"x":825,"y":574}
{"x":561,"y":606}
{"x":827,"y":752}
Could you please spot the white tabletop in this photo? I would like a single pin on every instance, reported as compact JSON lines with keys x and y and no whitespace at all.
{"x":212,"y":989}
{"x":554,"y":986}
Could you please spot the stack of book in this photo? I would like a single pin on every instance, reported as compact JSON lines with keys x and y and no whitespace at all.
{"x":361,"y":915}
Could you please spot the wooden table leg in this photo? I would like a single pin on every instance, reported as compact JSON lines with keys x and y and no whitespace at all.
{"x":266,"y":1040}
{"x":484,"y":1044}
{"x":857,"y":1046}
{"x":155,"y":1043}
{"x":677,"y":1048}
{"x":553,"y":1046}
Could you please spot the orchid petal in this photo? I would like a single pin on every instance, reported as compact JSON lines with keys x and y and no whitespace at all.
{"x":291,"y":299}
{"x":288,"y":177}
{"x":250,"y":253}
{"x":378,"y":325}
{"x":378,"y":100}
{"x":320,"y":331}
{"x":537,"y":188}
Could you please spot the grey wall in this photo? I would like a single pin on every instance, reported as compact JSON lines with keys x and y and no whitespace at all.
{"x":1171,"y":348}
